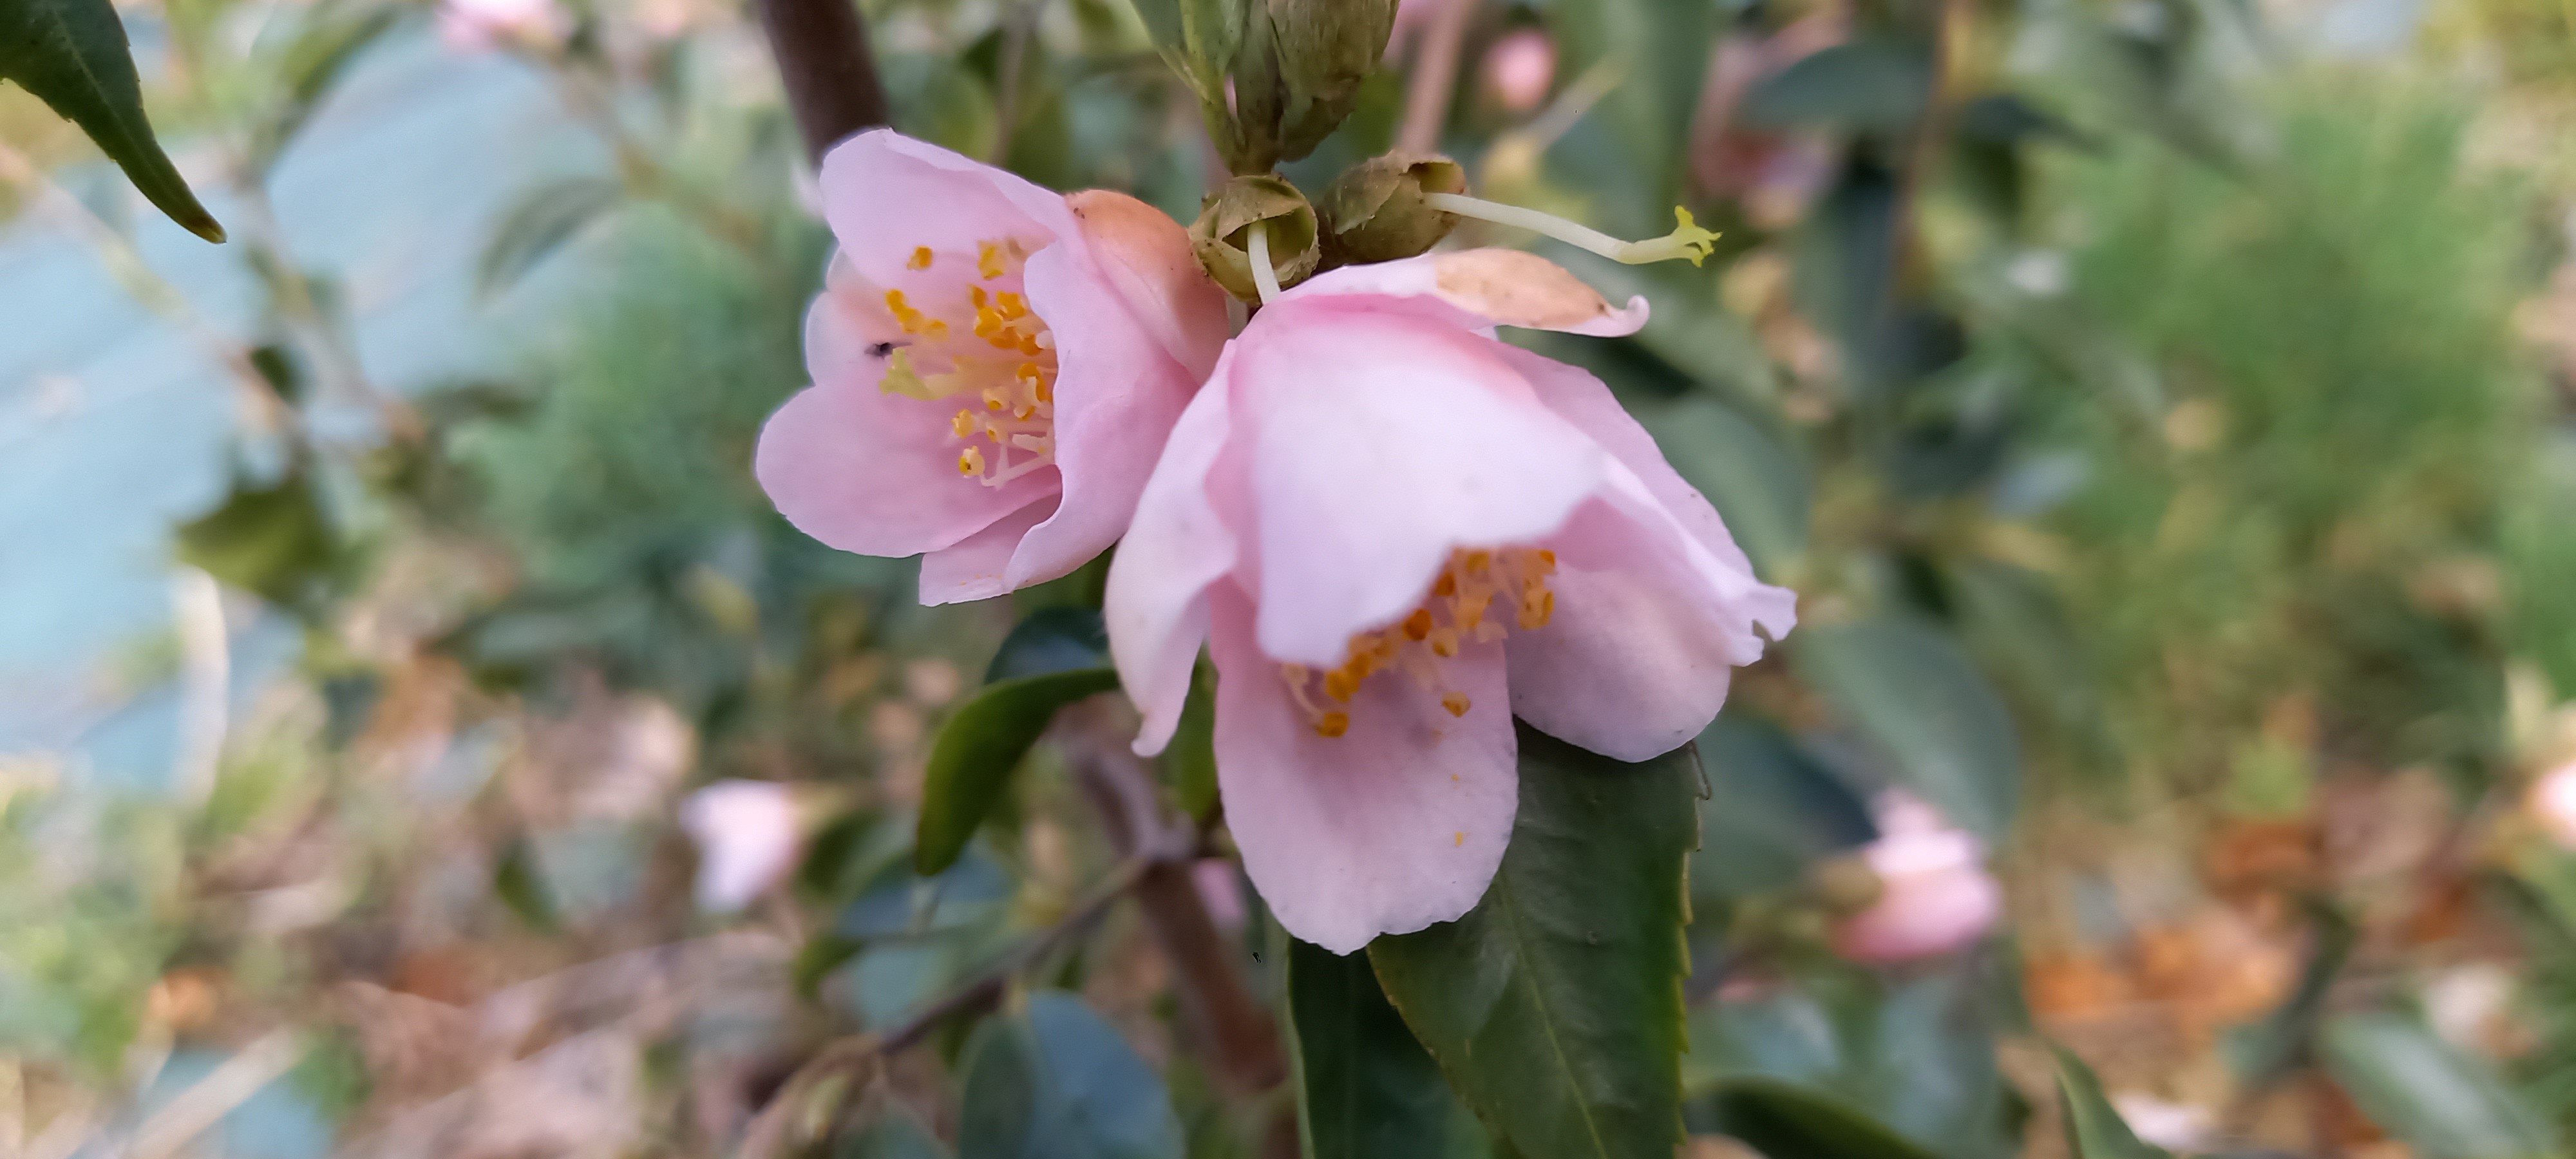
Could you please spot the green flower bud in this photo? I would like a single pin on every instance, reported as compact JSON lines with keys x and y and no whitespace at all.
{"x":1273,"y":77}
{"x":1375,"y":211}
{"x":1326,"y":48}
{"x":1222,"y":235}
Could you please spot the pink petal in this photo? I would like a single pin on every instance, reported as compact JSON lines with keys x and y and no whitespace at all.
{"x":1485,"y":287}
{"x":1922,"y":915}
{"x":974,"y":568}
{"x":1117,"y":394}
{"x":885,"y":194}
{"x":1396,"y":825}
{"x":1178,"y":544}
{"x":867,"y":471}
{"x":1146,"y":256}
{"x":1378,"y":444}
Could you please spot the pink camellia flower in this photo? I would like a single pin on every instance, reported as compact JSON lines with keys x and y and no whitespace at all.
{"x":749,"y":835}
{"x":1520,"y":68}
{"x":1937,"y":898}
{"x":2553,"y":804}
{"x":1397,"y":533}
{"x":995,"y":367}
{"x":483,"y":25}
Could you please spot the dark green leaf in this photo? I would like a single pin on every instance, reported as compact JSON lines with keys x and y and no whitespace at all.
{"x":977,"y":749}
{"x":1365,"y":1088}
{"x":1659,"y":53}
{"x":1770,"y":812}
{"x":1190,"y":761}
{"x":1912,"y":691}
{"x":1785,"y":1121}
{"x":537,"y":224}
{"x":272,"y":540}
{"x":891,"y":1135}
{"x":1877,"y":83}
{"x":1845,"y":264}
{"x":2267,"y":1050}
{"x":2443,"y":1103}
{"x":1555,"y":1005}
{"x":73,"y":55}
{"x":2094,"y":1130}
{"x":1059,"y":1083}
{"x":1760,"y":487}
{"x":1057,"y":639}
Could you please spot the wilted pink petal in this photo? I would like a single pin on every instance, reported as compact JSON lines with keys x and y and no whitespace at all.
{"x":1938,"y":896}
{"x":1371,"y":512}
{"x":995,"y":367}
{"x":749,"y":835}
{"x":1520,"y":68}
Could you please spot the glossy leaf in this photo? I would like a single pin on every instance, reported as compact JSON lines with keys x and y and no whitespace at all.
{"x":1910,"y":689}
{"x":1057,"y":1082}
{"x":1057,"y":639}
{"x":2094,"y":1129}
{"x":1365,"y":1088}
{"x":978,"y":748}
{"x":1785,"y":1121}
{"x":1771,"y":811}
{"x":73,"y":55}
{"x":1555,"y":1005}
{"x":2444,"y":1104}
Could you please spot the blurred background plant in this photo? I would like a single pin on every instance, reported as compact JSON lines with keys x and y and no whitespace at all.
{"x":418,"y":735}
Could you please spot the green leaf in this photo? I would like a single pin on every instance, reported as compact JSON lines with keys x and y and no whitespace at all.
{"x":1877,"y":83}
{"x":2265,"y":1051}
{"x":977,"y":749}
{"x":1555,"y":1006}
{"x":1910,"y":689}
{"x":537,"y":224}
{"x":331,"y":38}
{"x":1059,"y":1083}
{"x":1785,"y":1121}
{"x":2094,"y":1130}
{"x":1658,"y":53}
{"x":2443,"y":1103}
{"x":1189,"y":762}
{"x":1770,"y":813}
{"x":73,"y":55}
{"x":1057,"y":639}
{"x":268,"y":539}
{"x":1365,"y":1088}
{"x":1760,"y":487}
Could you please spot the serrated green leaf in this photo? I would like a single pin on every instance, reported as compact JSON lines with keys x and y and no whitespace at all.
{"x":1059,"y":1083}
{"x":73,"y":55}
{"x":1057,"y":639}
{"x":1365,"y":1088}
{"x":1785,"y":1121}
{"x":2094,"y":1129}
{"x":2443,"y":1103}
{"x":1555,"y":1006}
{"x":1910,"y":689}
{"x":977,"y":749}
{"x":537,"y":224}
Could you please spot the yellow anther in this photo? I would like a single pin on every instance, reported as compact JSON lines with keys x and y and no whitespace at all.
{"x":1460,"y":839}
{"x":1418,"y":625}
{"x":976,"y":295}
{"x":1470,"y":608}
{"x":1332,"y":724}
{"x":1012,"y":305}
{"x":1446,"y":586}
{"x":987,"y":323}
{"x":1025,"y":413}
{"x":1444,"y":642}
{"x":937,"y":329}
{"x":1537,"y":610}
{"x":963,"y":424}
{"x":1456,"y":702}
{"x":988,"y":260}
{"x":971,"y":462}
{"x":920,"y":258}
{"x":1029,"y":346}
{"x":1478,"y":561}
{"x":1046,"y":390}
{"x":1340,"y":684}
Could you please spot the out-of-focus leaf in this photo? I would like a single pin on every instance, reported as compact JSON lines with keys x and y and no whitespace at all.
{"x":2266,"y":1050}
{"x":1845,"y":260}
{"x":1555,"y":1005}
{"x":537,"y":224}
{"x":2094,"y":1130}
{"x":314,"y":62}
{"x":977,"y":749}
{"x":73,"y":55}
{"x":1761,"y":488}
{"x":2016,"y":622}
{"x":1785,"y":1121}
{"x":894,"y":1135}
{"x":1910,"y":689}
{"x":1660,"y":54}
{"x":1875,"y":84}
{"x":272,"y":540}
{"x":2444,"y":1104}
{"x":1059,"y":1083}
{"x":1190,"y":761}
{"x":1365,"y":1088}
{"x":1057,"y":639}
{"x":1770,"y":812}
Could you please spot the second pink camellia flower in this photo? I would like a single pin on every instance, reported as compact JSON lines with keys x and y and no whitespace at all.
{"x":995,"y":367}
{"x":1396,"y":533}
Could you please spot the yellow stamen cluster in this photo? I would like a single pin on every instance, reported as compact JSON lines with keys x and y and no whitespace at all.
{"x":1007,"y":371}
{"x":1460,"y":611}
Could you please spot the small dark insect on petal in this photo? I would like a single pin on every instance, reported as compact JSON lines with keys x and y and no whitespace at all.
{"x":881,"y":349}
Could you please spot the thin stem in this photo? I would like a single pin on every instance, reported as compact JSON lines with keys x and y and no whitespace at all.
{"x":1435,"y":78}
{"x":1687,"y":240}
{"x":1264,"y":279}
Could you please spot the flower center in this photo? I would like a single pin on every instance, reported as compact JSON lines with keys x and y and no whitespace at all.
{"x":1461,"y":610}
{"x":995,"y":355}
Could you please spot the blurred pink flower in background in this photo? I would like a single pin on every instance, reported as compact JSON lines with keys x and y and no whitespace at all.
{"x":1220,"y":891}
{"x":1520,"y":69}
{"x":2553,"y":804}
{"x":995,"y":367}
{"x":749,"y":836}
{"x":484,"y":25}
{"x":1937,"y":896}
{"x":1395,"y":533}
